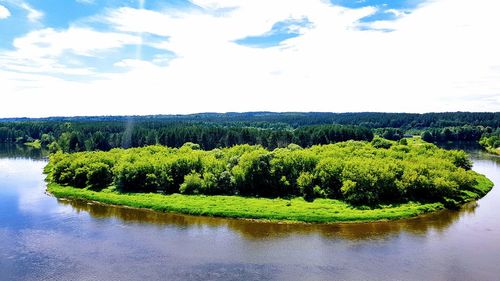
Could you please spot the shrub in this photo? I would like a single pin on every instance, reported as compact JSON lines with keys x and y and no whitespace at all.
{"x":356,"y":172}
{"x":306,"y":186}
{"x":328,"y":174}
{"x":192,"y":184}
{"x":381,"y":143}
{"x":80,"y":177}
{"x":99,"y":176}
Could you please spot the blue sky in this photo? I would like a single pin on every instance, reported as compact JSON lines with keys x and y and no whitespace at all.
{"x":148,"y":57}
{"x":62,"y":14}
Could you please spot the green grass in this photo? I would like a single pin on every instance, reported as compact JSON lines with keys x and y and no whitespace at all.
{"x":483,"y":186}
{"x":294,"y":210}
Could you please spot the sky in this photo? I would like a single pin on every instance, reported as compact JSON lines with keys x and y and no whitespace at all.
{"x":141,"y":57}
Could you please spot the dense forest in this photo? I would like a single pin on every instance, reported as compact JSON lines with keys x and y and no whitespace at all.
{"x":464,"y":133}
{"x":270,"y":130}
{"x":405,"y":121}
{"x":360,"y":173}
{"x":89,"y":136}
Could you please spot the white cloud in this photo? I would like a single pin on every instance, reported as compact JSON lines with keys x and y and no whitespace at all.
{"x":395,"y":12}
{"x":136,"y":20}
{"x":82,"y":41}
{"x":4,"y":12}
{"x":441,"y":57}
{"x":44,"y":53}
{"x":33,"y":14}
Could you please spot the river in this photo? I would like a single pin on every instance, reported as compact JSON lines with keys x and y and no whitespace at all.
{"x":42,"y":238}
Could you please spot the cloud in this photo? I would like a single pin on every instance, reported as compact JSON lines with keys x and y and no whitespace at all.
{"x":4,"y":12}
{"x":81,"y":41}
{"x":427,"y":63}
{"x":127,"y":19}
{"x":395,"y":12}
{"x":49,"y":55}
{"x":33,"y":14}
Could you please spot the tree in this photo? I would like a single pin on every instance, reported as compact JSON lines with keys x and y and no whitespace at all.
{"x":306,"y":186}
{"x":192,"y":184}
{"x":426,"y":136}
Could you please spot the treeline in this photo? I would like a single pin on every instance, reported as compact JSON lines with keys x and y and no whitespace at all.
{"x":356,"y":172}
{"x":464,"y":133}
{"x":89,"y":136}
{"x":270,"y":130}
{"x":404,"y":121}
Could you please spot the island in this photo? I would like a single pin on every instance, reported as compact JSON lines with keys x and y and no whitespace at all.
{"x":351,"y":181}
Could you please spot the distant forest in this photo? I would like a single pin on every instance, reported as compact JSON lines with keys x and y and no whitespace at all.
{"x":403,"y":121}
{"x":271,"y":130}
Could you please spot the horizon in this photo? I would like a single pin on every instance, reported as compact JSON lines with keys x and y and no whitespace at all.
{"x":235,"y":112}
{"x":140,"y":57}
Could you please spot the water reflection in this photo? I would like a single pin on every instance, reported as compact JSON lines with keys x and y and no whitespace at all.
{"x":8,"y":150}
{"x":474,"y":149}
{"x":461,"y":145}
{"x":259,"y":230}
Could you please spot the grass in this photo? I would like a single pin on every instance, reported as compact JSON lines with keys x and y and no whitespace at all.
{"x":483,"y":186}
{"x":294,"y":210}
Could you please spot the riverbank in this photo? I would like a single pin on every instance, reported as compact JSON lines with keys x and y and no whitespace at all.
{"x":491,"y":143}
{"x":294,"y":210}
{"x":494,"y":151}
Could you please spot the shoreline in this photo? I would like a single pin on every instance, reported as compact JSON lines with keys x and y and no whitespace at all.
{"x":493,"y":151}
{"x":263,"y":221}
{"x":286,"y":211}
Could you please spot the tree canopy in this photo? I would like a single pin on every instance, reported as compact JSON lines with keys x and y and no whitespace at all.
{"x":360,"y":173}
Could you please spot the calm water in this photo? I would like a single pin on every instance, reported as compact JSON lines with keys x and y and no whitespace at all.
{"x":42,"y":238}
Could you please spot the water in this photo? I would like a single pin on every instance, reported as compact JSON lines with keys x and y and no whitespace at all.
{"x":42,"y":238}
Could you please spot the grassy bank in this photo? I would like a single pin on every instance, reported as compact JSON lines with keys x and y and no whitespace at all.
{"x":294,"y":210}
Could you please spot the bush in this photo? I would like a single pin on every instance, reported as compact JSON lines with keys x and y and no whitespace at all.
{"x":306,"y":186}
{"x":359,"y":186}
{"x":381,"y":143}
{"x":328,"y":174}
{"x":356,"y":172}
{"x":80,"y":177}
{"x":138,"y":176}
{"x":99,"y":176}
{"x":461,"y":159}
{"x":192,"y":184}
